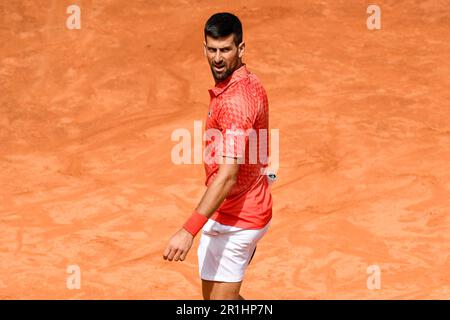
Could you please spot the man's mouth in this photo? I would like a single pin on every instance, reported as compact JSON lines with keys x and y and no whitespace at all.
{"x":219,"y":68}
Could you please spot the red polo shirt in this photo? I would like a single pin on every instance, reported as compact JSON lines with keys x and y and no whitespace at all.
{"x":238,"y":105}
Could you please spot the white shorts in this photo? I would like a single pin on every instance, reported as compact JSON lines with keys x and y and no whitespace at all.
{"x":224,"y":251}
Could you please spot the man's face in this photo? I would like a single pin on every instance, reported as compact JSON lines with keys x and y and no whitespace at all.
{"x":223,"y":56}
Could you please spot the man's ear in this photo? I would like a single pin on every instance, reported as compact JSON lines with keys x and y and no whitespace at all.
{"x":204,"y":48}
{"x":241,"y":49}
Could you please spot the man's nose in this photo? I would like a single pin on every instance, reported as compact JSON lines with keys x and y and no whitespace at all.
{"x":217,"y":57}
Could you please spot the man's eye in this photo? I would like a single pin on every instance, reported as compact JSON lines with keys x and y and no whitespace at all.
{"x":212,"y":50}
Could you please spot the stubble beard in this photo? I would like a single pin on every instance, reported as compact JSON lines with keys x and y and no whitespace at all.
{"x":221,"y":76}
{"x":225,"y":74}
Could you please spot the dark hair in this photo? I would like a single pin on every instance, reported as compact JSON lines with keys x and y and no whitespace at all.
{"x":222,"y":25}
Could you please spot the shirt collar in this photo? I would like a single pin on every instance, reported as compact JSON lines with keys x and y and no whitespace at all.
{"x":236,"y":76}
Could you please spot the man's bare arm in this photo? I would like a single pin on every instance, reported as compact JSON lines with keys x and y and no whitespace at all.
{"x":213,"y":197}
{"x":218,"y":190}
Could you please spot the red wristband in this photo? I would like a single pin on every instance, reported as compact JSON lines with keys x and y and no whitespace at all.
{"x":195,"y":222}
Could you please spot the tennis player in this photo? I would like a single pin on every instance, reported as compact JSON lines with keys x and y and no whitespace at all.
{"x":236,"y":208}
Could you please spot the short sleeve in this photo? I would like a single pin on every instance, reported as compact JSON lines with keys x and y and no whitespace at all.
{"x":234,"y":120}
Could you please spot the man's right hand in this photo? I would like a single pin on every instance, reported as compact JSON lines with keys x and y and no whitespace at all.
{"x":178,"y":246}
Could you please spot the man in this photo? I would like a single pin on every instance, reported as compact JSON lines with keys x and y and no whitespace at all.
{"x":236,"y":209}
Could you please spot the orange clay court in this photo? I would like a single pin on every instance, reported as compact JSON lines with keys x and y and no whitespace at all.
{"x":86,"y":175}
